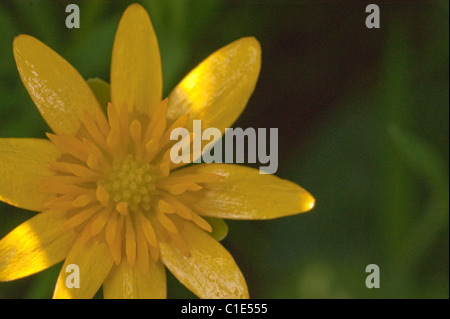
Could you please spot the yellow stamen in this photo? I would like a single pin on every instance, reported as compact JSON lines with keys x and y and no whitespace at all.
{"x":136,"y":135}
{"x":181,"y":209}
{"x":165,"y":164}
{"x":154,"y":253}
{"x":181,"y":188}
{"x":159,"y":130}
{"x":148,"y":230}
{"x":92,"y":162}
{"x":67,"y":180}
{"x":114,"y":137}
{"x":66,"y":198}
{"x":84,"y":199}
{"x":111,"y":228}
{"x":151,"y":149}
{"x":116,"y":246}
{"x":165,"y":207}
{"x":102,"y":195}
{"x":158,"y":119}
{"x":114,"y":182}
{"x":187,"y":213}
{"x":102,"y":123}
{"x":75,"y":169}
{"x":124,"y":126}
{"x":81,"y":217}
{"x":197,"y":178}
{"x":59,"y":205}
{"x":93,"y":130}
{"x":122,"y":208}
{"x":70,"y":145}
{"x":100,"y":157}
{"x":100,"y":221}
{"x":86,"y":233}
{"x":142,"y":251}
{"x":166,"y":222}
{"x":130,"y":241}
{"x":180,"y":122}
{"x":200,"y":222}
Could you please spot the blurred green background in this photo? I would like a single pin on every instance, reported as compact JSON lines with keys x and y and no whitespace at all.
{"x":363,"y":125}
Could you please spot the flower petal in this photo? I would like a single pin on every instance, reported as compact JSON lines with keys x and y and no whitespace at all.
{"x":94,"y":262}
{"x":58,"y":90}
{"x":34,"y":246}
{"x":136,"y":77}
{"x":23,"y":161}
{"x":218,"y":89}
{"x":244,"y":193}
{"x":125,"y":282}
{"x":209,"y":271}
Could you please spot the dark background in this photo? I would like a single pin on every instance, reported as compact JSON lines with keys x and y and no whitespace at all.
{"x":363,"y":125}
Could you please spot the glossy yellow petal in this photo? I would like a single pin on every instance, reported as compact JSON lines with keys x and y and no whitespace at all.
{"x":94,"y":262}
{"x":218,"y":89}
{"x":34,"y":246}
{"x":125,"y":282}
{"x":244,"y":193}
{"x":23,"y":162}
{"x":136,"y":77}
{"x":210,"y":271}
{"x":58,"y":90}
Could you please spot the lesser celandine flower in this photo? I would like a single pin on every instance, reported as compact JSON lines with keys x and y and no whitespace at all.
{"x":109,"y":199}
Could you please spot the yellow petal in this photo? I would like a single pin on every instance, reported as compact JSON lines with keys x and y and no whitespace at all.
{"x":209,"y":271}
{"x":244,"y":193}
{"x":58,"y":90}
{"x":94,"y":262}
{"x":136,"y":77}
{"x":34,"y":246}
{"x":125,"y":282}
{"x":23,"y":162}
{"x":218,"y":89}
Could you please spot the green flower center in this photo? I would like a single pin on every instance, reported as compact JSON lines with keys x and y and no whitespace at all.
{"x":132,"y":182}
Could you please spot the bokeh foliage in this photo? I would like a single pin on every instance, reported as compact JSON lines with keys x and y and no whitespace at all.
{"x":363,"y":125}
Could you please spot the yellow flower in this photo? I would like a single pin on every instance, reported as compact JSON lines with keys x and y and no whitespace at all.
{"x":109,"y":199}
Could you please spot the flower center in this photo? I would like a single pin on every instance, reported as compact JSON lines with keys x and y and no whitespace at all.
{"x":131,"y":182}
{"x":113,"y":182}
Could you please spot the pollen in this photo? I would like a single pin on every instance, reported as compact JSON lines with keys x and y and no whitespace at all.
{"x":113,"y":182}
{"x":132,"y":182}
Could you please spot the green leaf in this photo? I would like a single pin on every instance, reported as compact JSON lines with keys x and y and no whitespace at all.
{"x":420,"y":156}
